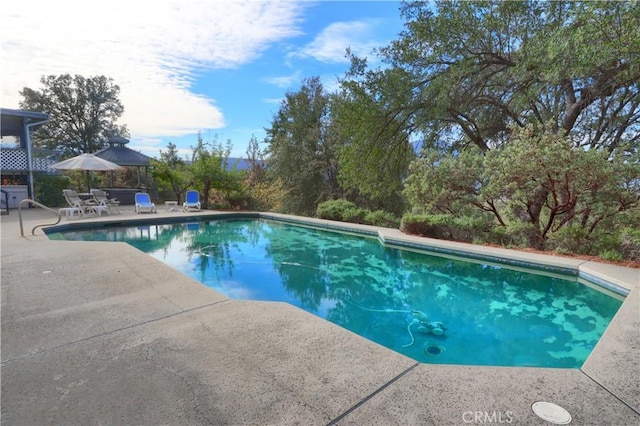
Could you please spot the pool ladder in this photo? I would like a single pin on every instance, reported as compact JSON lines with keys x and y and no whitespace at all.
{"x":33,"y":231}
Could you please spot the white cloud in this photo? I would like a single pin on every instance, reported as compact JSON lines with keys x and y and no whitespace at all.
{"x":274,"y":101}
{"x":153,"y":49}
{"x":286,"y":81}
{"x":331,"y":44}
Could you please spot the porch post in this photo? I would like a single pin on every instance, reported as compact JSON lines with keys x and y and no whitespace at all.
{"x":27,"y":142}
{"x":26,"y":130}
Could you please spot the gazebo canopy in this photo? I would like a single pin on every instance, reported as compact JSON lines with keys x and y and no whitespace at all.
{"x":118,"y":153}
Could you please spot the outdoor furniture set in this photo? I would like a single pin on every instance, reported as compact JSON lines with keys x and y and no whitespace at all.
{"x":97,"y":204}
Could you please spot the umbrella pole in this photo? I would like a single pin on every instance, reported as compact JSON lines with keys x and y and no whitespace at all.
{"x":88,"y":182}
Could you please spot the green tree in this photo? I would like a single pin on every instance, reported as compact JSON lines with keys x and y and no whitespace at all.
{"x":463,"y":72}
{"x":171,"y":174}
{"x":302,"y":149}
{"x":83,"y":112}
{"x":257,"y":165}
{"x":582,"y":190}
{"x":376,"y":148}
{"x":473,"y":69}
{"x":210,"y":170}
{"x":264,"y":193}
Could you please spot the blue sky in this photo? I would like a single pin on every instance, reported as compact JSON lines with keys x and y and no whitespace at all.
{"x":218,"y":67}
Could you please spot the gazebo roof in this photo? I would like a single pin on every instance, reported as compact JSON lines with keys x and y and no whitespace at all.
{"x":118,"y":153}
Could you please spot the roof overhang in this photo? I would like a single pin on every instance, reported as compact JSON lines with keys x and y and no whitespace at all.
{"x":14,"y":121}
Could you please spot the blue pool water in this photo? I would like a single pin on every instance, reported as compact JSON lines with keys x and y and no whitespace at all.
{"x":433,"y":309}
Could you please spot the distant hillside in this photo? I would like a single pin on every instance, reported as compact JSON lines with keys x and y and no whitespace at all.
{"x":239,"y":163}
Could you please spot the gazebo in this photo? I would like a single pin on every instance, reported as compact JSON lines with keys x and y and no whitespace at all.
{"x":118,"y":153}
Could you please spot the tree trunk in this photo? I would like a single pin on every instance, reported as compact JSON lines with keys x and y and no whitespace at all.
{"x":536,"y":239}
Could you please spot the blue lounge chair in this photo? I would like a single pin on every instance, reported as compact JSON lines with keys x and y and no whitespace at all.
{"x":143,"y":203}
{"x":192,"y":200}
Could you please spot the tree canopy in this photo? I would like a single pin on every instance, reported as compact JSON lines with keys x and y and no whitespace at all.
{"x":171,"y":172}
{"x":536,"y":185}
{"x":464,"y":72}
{"x":376,"y":148}
{"x":302,"y":148}
{"x":209,"y":169}
{"x":83,"y":111}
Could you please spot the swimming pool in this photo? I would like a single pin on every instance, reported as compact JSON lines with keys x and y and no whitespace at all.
{"x":435,"y":309}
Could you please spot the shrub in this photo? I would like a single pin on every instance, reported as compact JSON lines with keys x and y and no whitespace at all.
{"x":520,"y":234}
{"x":630,"y":243}
{"x":468,"y":229}
{"x":611,"y":255}
{"x":576,"y":240}
{"x":346,"y":211}
{"x":354,"y":215}
{"x":522,"y":184}
{"x":338,"y":210}
{"x":267,"y":196}
{"x":49,"y":188}
{"x":415,"y":224}
{"x":570,"y":239}
{"x":382,"y":218}
{"x":601,"y":241}
{"x":432,"y":226}
{"x":497,"y":235}
{"x":237,"y":200}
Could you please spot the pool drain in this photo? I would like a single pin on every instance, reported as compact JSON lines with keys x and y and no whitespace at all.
{"x":433,"y":350}
{"x":551,"y":412}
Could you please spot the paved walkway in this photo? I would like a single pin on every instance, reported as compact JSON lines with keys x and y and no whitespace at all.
{"x":100,"y":333}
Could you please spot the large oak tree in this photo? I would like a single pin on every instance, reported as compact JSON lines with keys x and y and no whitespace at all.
{"x":83,"y":111}
{"x":464,"y":72}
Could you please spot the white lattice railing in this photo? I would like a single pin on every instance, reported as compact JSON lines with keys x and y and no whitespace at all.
{"x":15,"y":159}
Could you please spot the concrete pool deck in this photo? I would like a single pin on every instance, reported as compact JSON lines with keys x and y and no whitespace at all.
{"x":100,"y":333}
